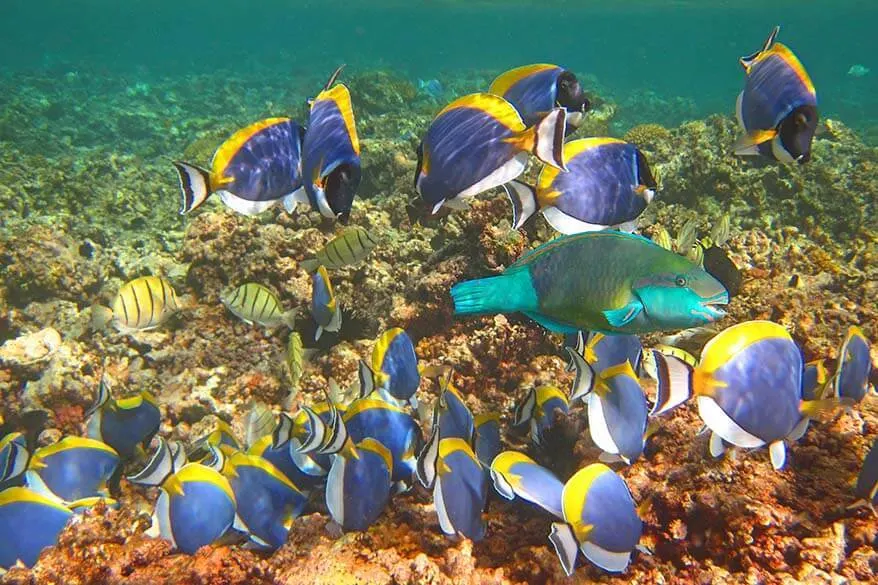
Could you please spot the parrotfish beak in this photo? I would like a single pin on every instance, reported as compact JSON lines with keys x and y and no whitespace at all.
{"x":712,"y":306}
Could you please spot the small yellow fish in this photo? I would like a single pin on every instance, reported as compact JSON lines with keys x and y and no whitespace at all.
{"x":141,"y":304}
{"x":295,"y":359}
{"x":254,"y":303}
{"x":662,"y":238}
{"x":686,"y":237}
{"x":346,"y":249}
{"x":696,"y":253}
{"x":719,"y":235}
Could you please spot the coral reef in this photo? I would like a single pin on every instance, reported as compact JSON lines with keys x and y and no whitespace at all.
{"x":84,"y":218}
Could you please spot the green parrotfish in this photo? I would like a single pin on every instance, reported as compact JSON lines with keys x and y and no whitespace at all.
{"x":611,"y":282}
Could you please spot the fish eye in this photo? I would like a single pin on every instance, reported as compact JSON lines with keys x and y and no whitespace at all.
{"x":681,"y":281}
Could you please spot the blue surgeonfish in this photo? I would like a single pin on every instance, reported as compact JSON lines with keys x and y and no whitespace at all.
{"x":392,"y":427}
{"x":195,"y":507}
{"x":324,"y":307}
{"x":539,"y":409}
{"x":617,"y":409}
{"x":486,"y":443}
{"x":814,"y":379}
{"x":29,"y":522}
{"x":604,"y":351}
{"x":778,"y":107}
{"x":452,"y":416}
{"x":395,"y":366}
{"x":850,"y":382}
{"x":606,"y":281}
{"x":267,"y":501}
{"x":749,"y":391}
{"x":14,"y":458}
{"x":517,"y":475}
{"x":460,"y":487}
{"x":866,"y":487}
{"x":331,"y":153}
{"x":536,"y":89}
{"x":478,"y":142}
{"x":72,"y":469}
{"x":600,"y":520}
{"x":608,"y":184}
{"x":256,"y":168}
{"x":124,"y":424}
{"x":358,"y":485}
{"x":282,"y":449}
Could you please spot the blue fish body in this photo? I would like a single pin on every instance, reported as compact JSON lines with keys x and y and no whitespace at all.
{"x":617,"y":413}
{"x":487,"y":438}
{"x":126,"y":424}
{"x":390,"y":426}
{"x":608,"y":183}
{"x":196,"y":507}
{"x":460,"y":492}
{"x":256,"y":168}
{"x":453,"y":417}
{"x":605,"y":351}
{"x":358,"y":484}
{"x":476,"y":143}
{"x":29,"y":522}
{"x":605,"y":281}
{"x":867,"y":480}
{"x":854,"y":367}
{"x":267,"y":502}
{"x":395,"y":365}
{"x":324,"y":307}
{"x":331,"y":154}
{"x":72,"y":469}
{"x":517,"y":475}
{"x":282,"y":458}
{"x":778,"y":107}
{"x":536,"y":89}
{"x":813,"y":380}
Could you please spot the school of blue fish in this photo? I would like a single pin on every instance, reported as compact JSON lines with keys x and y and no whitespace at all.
{"x":352,"y":454}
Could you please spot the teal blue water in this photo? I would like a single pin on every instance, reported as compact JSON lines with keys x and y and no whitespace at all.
{"x":683,"y":48}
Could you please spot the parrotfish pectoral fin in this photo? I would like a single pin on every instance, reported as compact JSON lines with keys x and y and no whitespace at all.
{"x":524,"y":202}
{"x":778,"y":451}
{"x":195,"y":185}
{"x":293,"y":199}
{"x":564,"y":541}
{"x":747,"y":144}
{"x":623,"y":315}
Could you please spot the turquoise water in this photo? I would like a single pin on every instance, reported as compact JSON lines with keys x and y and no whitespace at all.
{"x":686,"y":49}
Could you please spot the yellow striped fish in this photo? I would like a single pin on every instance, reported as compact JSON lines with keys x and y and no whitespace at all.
{"x":295,"y":359}
{"x":143,"y":303}
{"x":347,"y":248}
{"x":254,"y":303}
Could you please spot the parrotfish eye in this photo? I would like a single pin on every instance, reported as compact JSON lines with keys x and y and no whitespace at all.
{"x":681,"y":281}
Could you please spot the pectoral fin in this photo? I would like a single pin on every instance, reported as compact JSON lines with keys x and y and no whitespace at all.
{"x":623,"y":315}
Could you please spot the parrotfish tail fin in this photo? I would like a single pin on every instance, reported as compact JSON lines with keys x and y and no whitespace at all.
{"x":564,"y":541}
{"x":747,"y":61}
{"x":524,"y":202}
{"x":195,"y":185}
{"x":507,"y":293}
{"x":158,"y":469}
{"x":366,"y":377}
{"x":585,"y":379}
{"x":674,"y":382}
{"x":748,"y":144}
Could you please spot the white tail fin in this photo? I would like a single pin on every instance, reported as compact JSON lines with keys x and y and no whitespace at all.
{"x":549,"y":139}
{"x":524,"y":202}
{"x":195,"y":185}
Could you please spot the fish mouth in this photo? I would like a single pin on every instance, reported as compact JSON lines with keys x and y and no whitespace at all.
{"x":713,"y":308}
